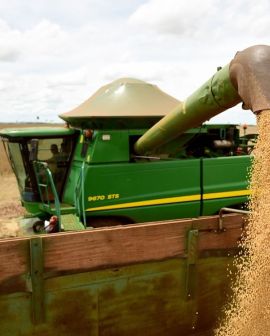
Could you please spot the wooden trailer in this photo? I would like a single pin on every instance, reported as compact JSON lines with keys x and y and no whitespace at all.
{"x":159,"y":278}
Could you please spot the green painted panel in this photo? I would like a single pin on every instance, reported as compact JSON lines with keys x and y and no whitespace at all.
{"x":147,"y":299}
{"x":212,"y":207}
{"x":32,"y":207}
{"x":224,"y":174}
{"x":109,"y":146}
{"x":73,"y":173}
{"x":71,"y":182}
{"x":36,"y":132}
{"x":15,"y":315}
{"x":151,"y":213}
{"x":152,"y":183}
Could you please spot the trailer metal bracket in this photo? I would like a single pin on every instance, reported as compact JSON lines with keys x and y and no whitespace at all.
{"x":37,"y":281}
{"x":229,"y":210}
{"x":192,"y":254}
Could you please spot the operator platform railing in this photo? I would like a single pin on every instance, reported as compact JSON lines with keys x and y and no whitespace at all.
{"x":47,"y":189}
{"x":79,"y":200}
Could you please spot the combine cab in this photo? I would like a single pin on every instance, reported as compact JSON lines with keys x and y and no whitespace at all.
{"x":41,"y":179}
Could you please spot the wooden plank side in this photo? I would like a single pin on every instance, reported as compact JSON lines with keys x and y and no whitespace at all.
{"x":218,"y":240}
{"x":115,"y":246}
{"x":211,"y":240}
{"x":138,"y":243}
{"x":212,"y":222}
{"x":14,"y":264}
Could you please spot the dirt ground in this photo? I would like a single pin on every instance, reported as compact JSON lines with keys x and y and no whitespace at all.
{"x":10,"y":207}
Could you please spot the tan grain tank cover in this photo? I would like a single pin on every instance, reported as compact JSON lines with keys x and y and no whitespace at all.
{"x":250,"y":75}
{"x":125,"y":97}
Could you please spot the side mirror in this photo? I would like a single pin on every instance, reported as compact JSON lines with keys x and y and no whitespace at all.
{"x":33,"y":150}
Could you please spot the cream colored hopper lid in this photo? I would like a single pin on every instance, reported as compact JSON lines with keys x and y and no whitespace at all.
{"x":124,"y":97}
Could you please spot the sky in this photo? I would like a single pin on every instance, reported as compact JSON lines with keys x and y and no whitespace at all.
{"x":54,"y":54}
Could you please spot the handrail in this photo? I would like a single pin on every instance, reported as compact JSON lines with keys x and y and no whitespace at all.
{"x":76,"y":195}
{"x":80,"y":190}
{"x":38,"y":166}
{"x":230,"y":210}
{"x":83,"y":200}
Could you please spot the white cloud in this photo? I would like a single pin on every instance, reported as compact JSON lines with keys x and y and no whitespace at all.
{"x":8,"y":53}
{"x":210,"y":19}
{"x":71,"y":15}
{"x":174,"y":16}
{"x":9,"y":45}
{"x":53,"y":55}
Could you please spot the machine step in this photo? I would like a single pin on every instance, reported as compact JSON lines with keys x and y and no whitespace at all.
{"x":70,"y":222}
{"x":64,"y":208}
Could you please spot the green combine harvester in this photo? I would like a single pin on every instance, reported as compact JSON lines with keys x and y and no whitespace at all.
{"x":106,"y":169}
{"x":130,"y":191}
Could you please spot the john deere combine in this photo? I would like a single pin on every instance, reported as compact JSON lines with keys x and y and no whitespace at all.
{"x":126,"y":158}
{"x":104,"y":169}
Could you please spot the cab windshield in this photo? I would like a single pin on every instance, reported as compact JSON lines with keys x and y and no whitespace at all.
{"x":14,"y":151}
{"x":56,"y":152}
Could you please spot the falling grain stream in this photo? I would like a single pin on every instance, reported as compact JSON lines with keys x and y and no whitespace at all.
{"x":248,"y":313}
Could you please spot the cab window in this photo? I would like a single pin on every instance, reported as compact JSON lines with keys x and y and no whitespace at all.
{"x":56,"y":152}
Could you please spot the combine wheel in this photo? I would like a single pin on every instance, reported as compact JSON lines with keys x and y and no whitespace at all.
{"x":38,"y":226}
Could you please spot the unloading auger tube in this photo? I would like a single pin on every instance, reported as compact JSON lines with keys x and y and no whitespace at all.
{"x":245,"y":79}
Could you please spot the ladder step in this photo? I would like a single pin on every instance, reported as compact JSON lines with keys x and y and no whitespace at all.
{"x":70,"y":222}
{"x":64,"y":208}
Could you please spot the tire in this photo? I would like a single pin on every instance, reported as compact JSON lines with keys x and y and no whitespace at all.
{"x":38,"y":226}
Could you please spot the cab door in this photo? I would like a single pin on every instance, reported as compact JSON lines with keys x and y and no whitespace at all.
{"x":224,"y":182}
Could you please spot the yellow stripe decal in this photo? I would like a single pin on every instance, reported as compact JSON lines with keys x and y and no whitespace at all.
{"x":178,"y":199}
{"x":226,"y":194}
